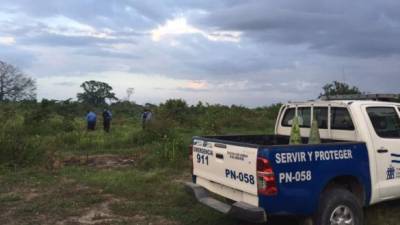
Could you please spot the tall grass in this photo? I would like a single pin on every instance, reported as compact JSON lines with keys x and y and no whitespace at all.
{"x":31,"y":133}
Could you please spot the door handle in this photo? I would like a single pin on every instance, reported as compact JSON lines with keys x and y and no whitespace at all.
{"x":382,"y":150}
{"x":219,"y":156}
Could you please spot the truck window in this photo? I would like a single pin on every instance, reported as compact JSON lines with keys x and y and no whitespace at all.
{"x":385,"y":121}
{"x":304,"y":114}
{"x":321,"y":113}
{"x":288,"y":117}
{"x":340,"y":119}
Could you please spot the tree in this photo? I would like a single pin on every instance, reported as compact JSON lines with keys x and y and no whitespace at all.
{"x":15,"y":85}
{"x":175,"y":109}
{"x":339,"y":88}
{"x":96,"y":93}
{"x":129,"y":93}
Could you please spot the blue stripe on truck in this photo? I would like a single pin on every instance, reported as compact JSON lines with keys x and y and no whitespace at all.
{"x":303,"y":171}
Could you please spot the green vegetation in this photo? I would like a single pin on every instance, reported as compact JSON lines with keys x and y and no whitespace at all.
{"x":96,"y":93}
{"x":339,"y":88}
{"x":53,"y":170}
{"x":32,"y":132}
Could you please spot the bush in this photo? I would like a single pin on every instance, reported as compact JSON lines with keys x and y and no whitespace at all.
{"x":171,"y":151}
{"x":31,"y":132}
{"x":18,"y":147}
{"x":174,"y":109}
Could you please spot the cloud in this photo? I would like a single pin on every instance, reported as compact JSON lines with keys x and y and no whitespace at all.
{"x":66,"y":83}
{"x":330,"y":27}
{"x":230,"y":51}
{"x":7,"y":40}
{"x":17,"y":56}
{"x":179,"y":26}
{"x":195,"y":85}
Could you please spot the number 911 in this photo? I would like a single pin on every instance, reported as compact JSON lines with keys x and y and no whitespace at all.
{"x":202,"y":159}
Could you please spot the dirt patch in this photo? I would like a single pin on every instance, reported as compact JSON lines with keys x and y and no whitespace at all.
{"x":98,"y":214}
{"x":25,"y":194}
{"x":84,"y":212}
{"x":101,"y":161}
{"x":102,"y":214}
{"x":30,"y":195}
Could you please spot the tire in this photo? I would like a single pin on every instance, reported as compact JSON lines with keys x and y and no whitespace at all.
{"x":337,"y":207}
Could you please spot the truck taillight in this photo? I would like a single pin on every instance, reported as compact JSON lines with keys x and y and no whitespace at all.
{"x":265,"y":178}
{"x":191,"y":157}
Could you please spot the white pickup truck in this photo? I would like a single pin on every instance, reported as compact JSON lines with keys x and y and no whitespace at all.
{"x":356,"y":165}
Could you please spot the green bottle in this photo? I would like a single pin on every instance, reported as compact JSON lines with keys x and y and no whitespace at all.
{"x":295,"y":137}
{"x":314,"y":137}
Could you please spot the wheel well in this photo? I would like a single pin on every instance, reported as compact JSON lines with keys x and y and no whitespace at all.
{"x":349,"y":183}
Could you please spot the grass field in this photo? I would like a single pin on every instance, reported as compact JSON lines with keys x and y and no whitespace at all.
{"x":129,"y":176}
{"x":119,"y":194}
{"x":98,"y":194}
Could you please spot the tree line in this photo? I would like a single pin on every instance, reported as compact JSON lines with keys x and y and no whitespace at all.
{"x":16,"y":86}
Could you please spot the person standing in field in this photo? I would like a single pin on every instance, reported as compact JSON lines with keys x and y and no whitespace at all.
{"x":107,"y":116}
{"x":146,"y":117}
{"x":91,"y":120}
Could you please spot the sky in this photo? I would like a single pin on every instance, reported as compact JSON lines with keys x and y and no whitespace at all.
{"x":249,"y":52}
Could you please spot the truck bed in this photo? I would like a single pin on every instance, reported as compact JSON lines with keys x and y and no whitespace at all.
{"x":258,"y":140}
{"x":227,"y":166}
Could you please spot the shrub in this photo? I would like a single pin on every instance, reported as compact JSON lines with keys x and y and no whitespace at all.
{"x":18,"y":147}
{"x":174,"y":109}
{"x":171,"y":151}
{"x":155,"y":130}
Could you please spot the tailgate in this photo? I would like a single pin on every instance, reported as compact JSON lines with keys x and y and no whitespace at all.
{"x":226,"y":164}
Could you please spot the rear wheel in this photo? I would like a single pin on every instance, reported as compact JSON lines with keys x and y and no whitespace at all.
{"x":339,"y":207}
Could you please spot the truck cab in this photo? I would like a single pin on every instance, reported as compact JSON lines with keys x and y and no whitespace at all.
{"x":356,"y":164}
{"x":376,"y":123}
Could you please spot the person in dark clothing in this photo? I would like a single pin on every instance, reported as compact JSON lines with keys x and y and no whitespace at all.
{"x":91,"y":120}
{"x":146,"y":117}
{"x":107,"y":116}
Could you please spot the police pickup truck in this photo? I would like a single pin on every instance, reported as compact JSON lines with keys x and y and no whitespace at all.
{"x":356,"y":165}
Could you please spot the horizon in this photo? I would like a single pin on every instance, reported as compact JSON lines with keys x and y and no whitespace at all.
{"x":251,"y":53}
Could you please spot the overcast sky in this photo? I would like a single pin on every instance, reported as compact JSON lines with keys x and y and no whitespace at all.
{"x":250,"y":52}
